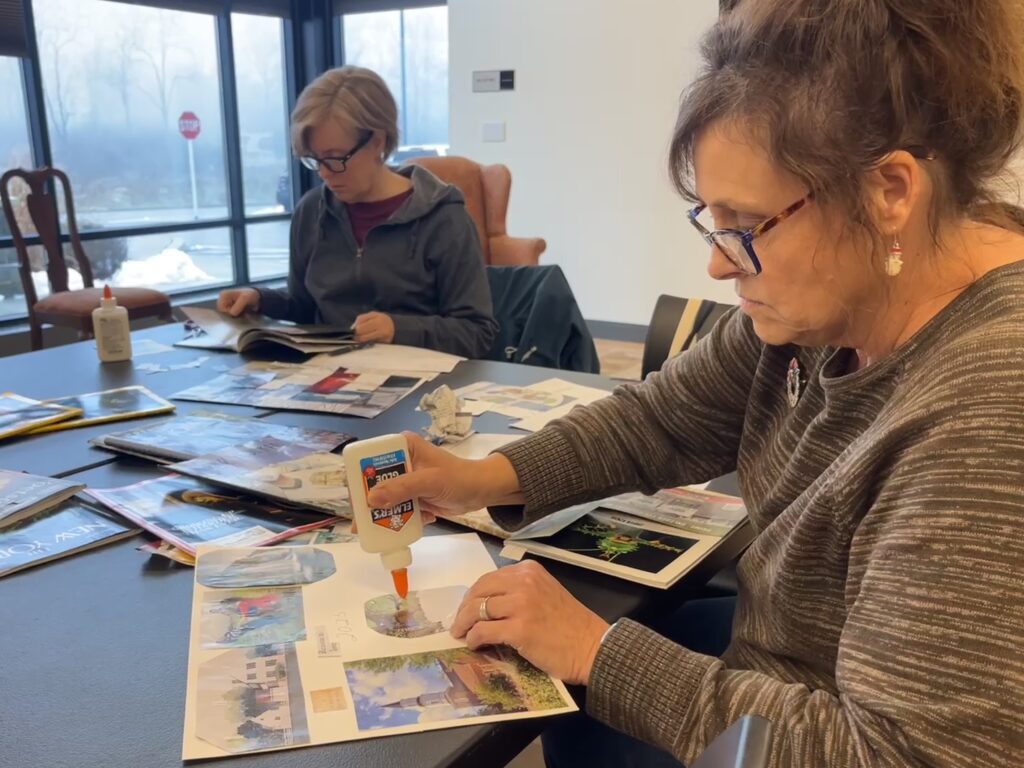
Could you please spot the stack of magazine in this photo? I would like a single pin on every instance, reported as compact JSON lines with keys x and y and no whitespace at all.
{"x":19,"y":415}
{"x":40,"y":521}
{"x":186,"y":513}
{"x":109,"y":405}
{"x":281,"y":471}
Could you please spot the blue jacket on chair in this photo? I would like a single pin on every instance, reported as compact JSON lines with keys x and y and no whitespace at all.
{"x":539,"y":320}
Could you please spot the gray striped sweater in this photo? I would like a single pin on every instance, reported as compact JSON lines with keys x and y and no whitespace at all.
{"x":881,"y":612}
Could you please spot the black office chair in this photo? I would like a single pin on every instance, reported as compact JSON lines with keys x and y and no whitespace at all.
{"x":744,"y":744}
{"x":676,"y":324}
{"x":539,"y":320}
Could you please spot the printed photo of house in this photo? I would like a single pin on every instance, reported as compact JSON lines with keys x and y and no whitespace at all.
{"x":252,"y":698}
{"x":449,"y":685}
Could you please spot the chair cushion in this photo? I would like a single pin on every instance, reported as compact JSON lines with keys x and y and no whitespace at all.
{"x":140,"y":302}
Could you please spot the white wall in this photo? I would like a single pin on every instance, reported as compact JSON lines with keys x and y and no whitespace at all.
{"x":587,"y":134}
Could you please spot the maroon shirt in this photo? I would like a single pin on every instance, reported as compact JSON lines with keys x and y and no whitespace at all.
{"x":366,"y":216}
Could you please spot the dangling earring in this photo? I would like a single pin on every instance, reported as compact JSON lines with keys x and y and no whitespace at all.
{"x":894,"y":263}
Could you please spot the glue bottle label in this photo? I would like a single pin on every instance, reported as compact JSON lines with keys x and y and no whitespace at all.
{"x":376,"y":469}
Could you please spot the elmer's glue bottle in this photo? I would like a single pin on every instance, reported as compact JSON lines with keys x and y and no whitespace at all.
{"x":111,"y":329}
{"x":387,"y":531}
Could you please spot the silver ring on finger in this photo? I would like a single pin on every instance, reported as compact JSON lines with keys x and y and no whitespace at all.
{"x":482,"y":611}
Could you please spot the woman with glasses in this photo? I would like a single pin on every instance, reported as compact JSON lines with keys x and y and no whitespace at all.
{"x":391,"y":254}
{"x":842,"y":157}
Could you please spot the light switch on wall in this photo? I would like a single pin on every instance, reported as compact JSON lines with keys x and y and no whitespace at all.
{"x":494,"y":131}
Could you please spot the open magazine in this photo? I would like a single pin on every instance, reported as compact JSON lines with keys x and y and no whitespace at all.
{"x":653,"y":540}
{"x":187,"y":513}
{"x":296,"y":646}
{"x":201,"y":432}
{"x":286,"y":472}
{"x":603,"y":537}
{"x":220,"y":331}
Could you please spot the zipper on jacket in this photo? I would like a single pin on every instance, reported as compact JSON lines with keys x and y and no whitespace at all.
{"x":359,"y":268}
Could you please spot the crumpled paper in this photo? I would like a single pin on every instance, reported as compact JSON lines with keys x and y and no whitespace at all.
{"x":449,"y":422}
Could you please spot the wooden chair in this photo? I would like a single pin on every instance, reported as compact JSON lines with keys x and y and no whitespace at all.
{"x":675,"y":325}
{"x":64,"y":307}
{"x":486,"y":189}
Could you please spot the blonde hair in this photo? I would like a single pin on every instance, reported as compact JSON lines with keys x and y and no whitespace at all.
{"x":356,"y":97}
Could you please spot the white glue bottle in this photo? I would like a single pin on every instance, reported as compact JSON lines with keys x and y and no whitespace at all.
{"x":111,"y":329}
{"x":387,"y":531}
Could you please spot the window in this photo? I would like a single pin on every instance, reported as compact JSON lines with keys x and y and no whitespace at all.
{"x":268,"y":249}
{"x":262,"y":113}
{"x":15,"y":153}
{"x":116,"y":79}
{"x":409,"y":49}
{"x":14,"y":139}
{"x":264,"y":138}
{"x":104,"y":95}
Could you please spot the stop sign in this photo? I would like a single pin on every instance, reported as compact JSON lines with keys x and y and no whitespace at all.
{"x":188,"y":125}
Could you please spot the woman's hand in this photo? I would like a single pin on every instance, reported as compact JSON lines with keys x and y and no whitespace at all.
{"x":374,"y":326}
{"x":236,"y":301}
{"x":448,"y":485}
{"x":529,"y":610}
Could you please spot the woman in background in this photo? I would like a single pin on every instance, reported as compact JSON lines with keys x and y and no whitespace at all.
{"x":391,"y":254}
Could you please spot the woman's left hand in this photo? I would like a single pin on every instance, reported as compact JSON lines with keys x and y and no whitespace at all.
{"x":529,"y":610}
{"x":373,"y":326}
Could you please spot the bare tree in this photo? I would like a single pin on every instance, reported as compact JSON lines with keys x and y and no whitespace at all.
{"x":56,"y":35}
{"x":157,"y":60}
{"x":123,"y":67}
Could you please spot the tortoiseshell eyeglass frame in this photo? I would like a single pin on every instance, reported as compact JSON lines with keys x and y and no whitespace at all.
{"x":719,"y":237}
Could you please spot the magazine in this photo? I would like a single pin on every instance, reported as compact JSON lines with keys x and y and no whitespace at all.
{"x":220,"y":331}
{"x":340,"y":533}
{"x":296,"y":646}
{"x":201,"y":432}
{"x":110,"y":405}
{"x":305,"y":387}
{"x":601,"y":537}
{"x":23,"y":414}
{"x":187,"y":513}
{"x":73,"y":526}
{"x":23,"y":495}
{"x":286,"y":472}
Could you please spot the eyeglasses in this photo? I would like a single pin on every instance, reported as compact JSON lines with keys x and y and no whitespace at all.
{"x":335,"y":164}
{"x":738,"y":244}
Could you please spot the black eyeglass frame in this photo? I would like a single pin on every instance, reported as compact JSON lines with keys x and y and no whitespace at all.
{"x":336,"y":164}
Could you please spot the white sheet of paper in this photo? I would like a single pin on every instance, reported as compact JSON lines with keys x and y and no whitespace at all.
{"x":533,"y":406}
{"x":392,"y":357}
{"x":274,"y":667}
{"x":143,"y":347}
{"x":479,"y":445}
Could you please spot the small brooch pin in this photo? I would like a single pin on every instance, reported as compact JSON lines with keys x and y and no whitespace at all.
{"x":793,"y":383}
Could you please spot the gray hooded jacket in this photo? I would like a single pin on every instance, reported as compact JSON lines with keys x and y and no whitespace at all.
{"x":422,"y":267}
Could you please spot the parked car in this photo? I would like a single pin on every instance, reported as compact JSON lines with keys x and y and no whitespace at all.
{"x":284,"y":191}
{"x":404,"y":154}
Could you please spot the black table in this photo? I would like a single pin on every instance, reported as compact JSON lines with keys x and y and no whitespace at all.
{"x":95,"y":646}
{"x":75,"y":370}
